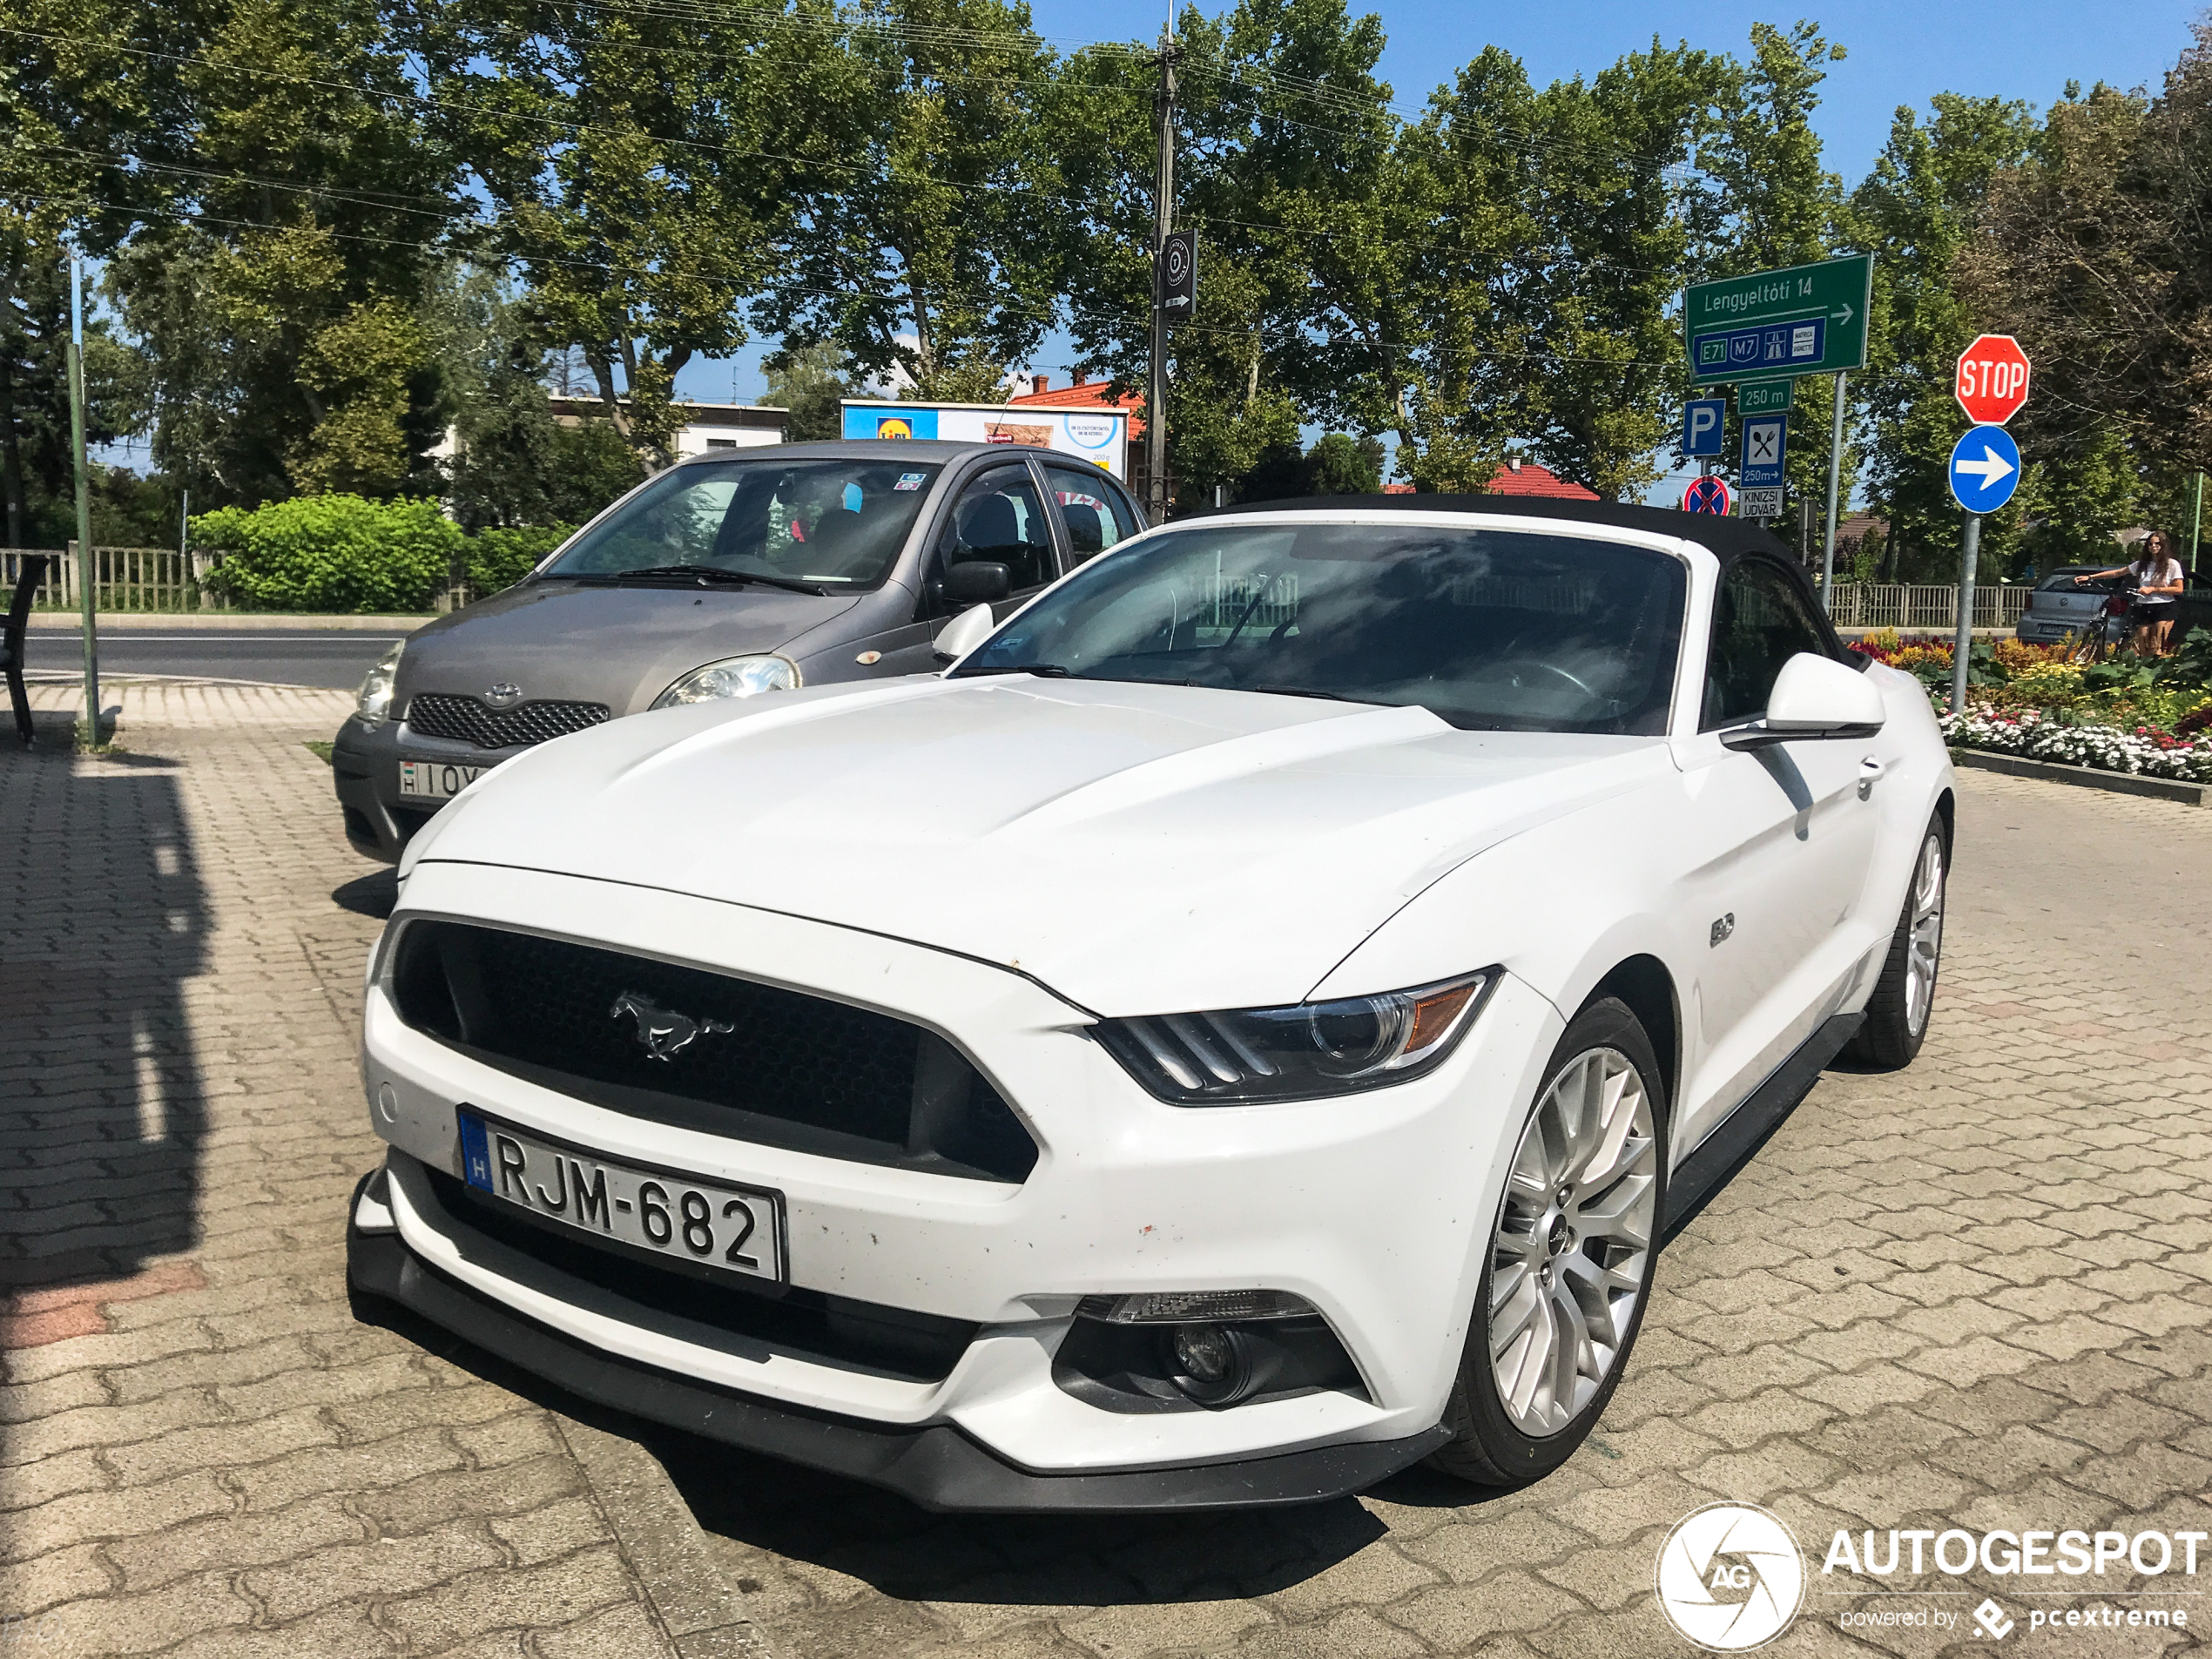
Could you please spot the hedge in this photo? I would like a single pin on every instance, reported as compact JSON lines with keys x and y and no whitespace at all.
{"x":332,"y":554}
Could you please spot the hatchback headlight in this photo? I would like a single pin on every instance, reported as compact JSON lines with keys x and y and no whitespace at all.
{"x":731,"y":677}
{"x":1303,"y":1052}
{"x":373,"y":704}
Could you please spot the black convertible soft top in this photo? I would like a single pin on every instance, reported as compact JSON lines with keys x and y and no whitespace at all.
{"x":1727,"y":539}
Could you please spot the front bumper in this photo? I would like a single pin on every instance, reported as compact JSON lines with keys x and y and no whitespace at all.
{"x":935,"y":1466}
{"x":1366,"y":1206}
{"x":365,"y":771}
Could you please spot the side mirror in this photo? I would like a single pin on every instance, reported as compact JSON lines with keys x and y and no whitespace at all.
{"x":1814,"y":698}
{"x":977,"y":582}
{"x":965,"y":631}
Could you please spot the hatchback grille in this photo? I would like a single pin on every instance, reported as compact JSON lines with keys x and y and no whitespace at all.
{"x":707,"y":1051}
{"x":466,"y":719}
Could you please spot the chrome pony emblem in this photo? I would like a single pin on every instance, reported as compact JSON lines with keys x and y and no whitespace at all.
{"x":663,"y":1033}
{"x":504,"y":694}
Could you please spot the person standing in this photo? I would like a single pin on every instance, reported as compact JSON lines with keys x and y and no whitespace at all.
{"x":2155,"y":575}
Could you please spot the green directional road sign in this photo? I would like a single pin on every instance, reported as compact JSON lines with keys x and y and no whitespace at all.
{"x":1807,"y":319}
{"x":1764,"y":397}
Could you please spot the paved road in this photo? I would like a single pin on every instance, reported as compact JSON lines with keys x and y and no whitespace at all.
{"x":334,"y":660}
{"x":1975,"y":1294}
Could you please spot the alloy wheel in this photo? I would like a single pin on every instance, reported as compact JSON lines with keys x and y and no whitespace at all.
{"x":1572,"y":1252}
{"x":1924,"y":947}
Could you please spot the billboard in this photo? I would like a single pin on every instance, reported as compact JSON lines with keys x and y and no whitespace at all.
{"x":1100,"y":436}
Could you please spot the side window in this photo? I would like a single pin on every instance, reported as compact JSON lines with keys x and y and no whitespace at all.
{"x":998,"y":517}
{"x":1760,"y":622}
{"x":1097,"y":515}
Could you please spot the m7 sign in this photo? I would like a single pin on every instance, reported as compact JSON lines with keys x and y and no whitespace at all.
{"x":1806,"y":319}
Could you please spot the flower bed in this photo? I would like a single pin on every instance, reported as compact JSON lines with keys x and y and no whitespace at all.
{"x":2144,"y":751}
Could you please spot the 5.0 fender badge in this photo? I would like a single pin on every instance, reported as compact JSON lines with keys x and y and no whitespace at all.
{"x":663,"y":1033}
{"x":1723,"y":928}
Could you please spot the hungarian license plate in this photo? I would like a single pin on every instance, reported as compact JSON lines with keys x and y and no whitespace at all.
{"x":733,"y":1229}
{"x":434,"y":780}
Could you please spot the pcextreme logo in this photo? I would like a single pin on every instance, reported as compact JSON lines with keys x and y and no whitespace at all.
{"x":1730,"y":1577}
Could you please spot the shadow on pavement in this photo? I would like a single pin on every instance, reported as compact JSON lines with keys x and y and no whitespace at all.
{"x":372,"y":896}
{"x":103,"y":920}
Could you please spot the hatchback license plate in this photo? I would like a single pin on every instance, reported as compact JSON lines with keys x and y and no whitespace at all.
{"x":434,"y":780}
{"x":735,"y":1230}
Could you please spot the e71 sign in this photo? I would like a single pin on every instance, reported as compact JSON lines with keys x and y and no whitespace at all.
{"x":1993,"y":380}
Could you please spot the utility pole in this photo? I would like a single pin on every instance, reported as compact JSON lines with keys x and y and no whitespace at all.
{"x":88,"y":564}
{"x":1155,"y":401}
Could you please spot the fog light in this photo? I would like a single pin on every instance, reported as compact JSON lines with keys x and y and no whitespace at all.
{"x":1209,"y":1364}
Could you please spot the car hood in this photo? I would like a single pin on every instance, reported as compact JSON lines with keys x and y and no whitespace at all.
{"x":620,"y":646}
{"x":1135,"y":848}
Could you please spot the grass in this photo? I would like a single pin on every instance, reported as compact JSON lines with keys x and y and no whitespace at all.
{"x":321,"y":751}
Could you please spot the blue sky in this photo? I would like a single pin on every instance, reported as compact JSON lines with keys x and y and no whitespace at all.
{"x":1899,"y":51}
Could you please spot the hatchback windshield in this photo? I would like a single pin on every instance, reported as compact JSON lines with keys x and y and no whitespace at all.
{"x":834,"y":522}
{"x":1490,"y":630}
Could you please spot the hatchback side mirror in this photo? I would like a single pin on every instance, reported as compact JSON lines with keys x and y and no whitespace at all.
{"x":1814,"y":698}
{"x":977,"y":582}
{"x":964,"y":632}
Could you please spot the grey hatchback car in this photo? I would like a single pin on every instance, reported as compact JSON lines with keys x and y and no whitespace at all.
{"x":728,"y":575}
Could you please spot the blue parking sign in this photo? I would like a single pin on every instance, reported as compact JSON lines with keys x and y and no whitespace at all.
{"x":1702,"y":418}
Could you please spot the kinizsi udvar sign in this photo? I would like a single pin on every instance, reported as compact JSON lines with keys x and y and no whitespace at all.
{"x":1806,"y":319}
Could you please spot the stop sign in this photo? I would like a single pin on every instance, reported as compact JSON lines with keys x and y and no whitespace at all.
{"x":1993,"y":380}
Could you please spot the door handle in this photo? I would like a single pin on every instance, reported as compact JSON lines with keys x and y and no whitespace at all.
{"x":1869,"y":773}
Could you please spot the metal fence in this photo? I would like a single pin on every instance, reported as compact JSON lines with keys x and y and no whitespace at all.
{"x":1903,"y":606}
{"x":130,"y":579}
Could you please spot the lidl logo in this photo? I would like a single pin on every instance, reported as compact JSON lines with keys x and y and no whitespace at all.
{"x":894,"y":426}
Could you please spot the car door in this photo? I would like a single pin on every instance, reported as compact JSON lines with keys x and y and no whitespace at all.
{"x":1000,"y":515}
{"x":1786,"y":836}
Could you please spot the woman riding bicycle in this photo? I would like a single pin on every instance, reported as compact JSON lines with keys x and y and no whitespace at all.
{"x":2155,"y":575}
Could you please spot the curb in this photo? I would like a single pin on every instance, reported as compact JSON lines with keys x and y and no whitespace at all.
{"x":2051,"y":772}
{"x":246,"y":622}
{"x":704,"y":1617}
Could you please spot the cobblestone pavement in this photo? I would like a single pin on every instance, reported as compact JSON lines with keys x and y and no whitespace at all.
{"x":1971,"y":1294}
{"x":201,"y":1450}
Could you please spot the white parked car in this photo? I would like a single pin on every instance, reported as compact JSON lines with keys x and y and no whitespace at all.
{"x":1247,"y":1027}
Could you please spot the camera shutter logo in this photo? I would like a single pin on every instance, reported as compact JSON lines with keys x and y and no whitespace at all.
{"x":1731,"y":1577}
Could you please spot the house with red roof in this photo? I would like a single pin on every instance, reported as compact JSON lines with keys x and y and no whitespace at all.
{"x":1083,"y":394}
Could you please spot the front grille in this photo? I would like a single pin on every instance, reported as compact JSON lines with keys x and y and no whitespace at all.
{"x":895,"y":1342}
{"x":466,"y":719}
{"x":735,"y":1058}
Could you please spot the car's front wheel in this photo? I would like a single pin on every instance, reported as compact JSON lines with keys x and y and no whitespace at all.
{"x":1570,"y":1259}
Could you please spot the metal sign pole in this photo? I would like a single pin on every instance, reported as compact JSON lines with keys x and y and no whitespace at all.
{"x":1155,"y":401}
{"x":87,"y":560}
{"x":1835,"y":478}
{"x":1962,"y":650}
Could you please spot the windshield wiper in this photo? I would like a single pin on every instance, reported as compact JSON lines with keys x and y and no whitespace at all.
{"x":1297,"y":691}
{"x":704,"y":573}
{"x":1047,"y":671}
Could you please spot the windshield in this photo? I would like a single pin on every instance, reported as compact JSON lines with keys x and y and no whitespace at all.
{"x":837,"y":522}
{"x":1490,"y":630}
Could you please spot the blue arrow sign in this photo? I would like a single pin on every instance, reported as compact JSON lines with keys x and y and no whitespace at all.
{"x":1701,"y":425}
{"x":1984,"y":470}
{"x":1764,"y":437}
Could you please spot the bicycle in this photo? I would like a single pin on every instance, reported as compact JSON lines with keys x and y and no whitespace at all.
{"x":2109,"y":633}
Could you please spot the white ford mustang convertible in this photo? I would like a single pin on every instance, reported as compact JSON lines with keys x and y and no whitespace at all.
{"x":1249,"y":1025}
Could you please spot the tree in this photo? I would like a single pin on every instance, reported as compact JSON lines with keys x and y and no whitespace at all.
{"x":636,"y":160}
{"x":1917,"y":210}
{"x":919,"y":240}
{"x":809,"y":381}
{"x":1342,"y":465}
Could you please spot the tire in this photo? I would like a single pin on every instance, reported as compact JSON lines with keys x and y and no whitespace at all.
{"x":1514,"y":1411}
{"x":1898,"y":1012}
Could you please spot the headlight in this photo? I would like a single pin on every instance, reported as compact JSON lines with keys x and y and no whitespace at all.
{"x":731,"y":677}
{"x":372,"y":706}
{"x":1300,"y":1053}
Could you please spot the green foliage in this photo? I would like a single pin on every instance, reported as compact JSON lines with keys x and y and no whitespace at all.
{"x":500,"y":558}
{"x":809,"y":381}
{"x":332,"y":554}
